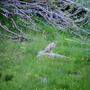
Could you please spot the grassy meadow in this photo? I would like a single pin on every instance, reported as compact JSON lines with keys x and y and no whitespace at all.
{"x":21,"y":69}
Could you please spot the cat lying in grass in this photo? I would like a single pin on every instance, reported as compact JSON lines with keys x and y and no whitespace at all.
{"x":48,"y":52}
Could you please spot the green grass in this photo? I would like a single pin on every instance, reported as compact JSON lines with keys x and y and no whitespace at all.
{"x":20,"y":69}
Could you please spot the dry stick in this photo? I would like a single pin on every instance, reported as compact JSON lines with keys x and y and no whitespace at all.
{"x":24,"y":14}
{"x":76,"y":12}
{"x":85,"y":31}
{"x":6,"y":29}
{"x":4,"y":10}
{"x":16,"y":25}
{"x":9,"y":30}
{"x":22,"y":33}
{"x":3,"y":15}
{"x":6,"y":35}
{"x":34,"y":25}
{"x":77,"y":29}
{"x":69,"y":2}
{"x":12,"y":21}
{"x":18,"y":36}
{"x":82,"y":20}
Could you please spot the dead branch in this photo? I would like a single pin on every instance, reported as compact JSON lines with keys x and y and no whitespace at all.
{"x":13,"y":34}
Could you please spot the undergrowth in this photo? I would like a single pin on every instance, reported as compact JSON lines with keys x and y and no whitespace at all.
{"x":20,"y":69}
